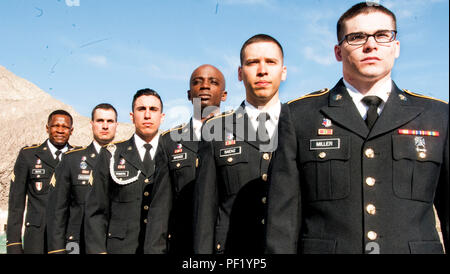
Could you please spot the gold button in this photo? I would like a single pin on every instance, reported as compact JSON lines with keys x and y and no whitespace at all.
{"x":83,"y":183}
{"x":28,"y":224}
{"x":371,"y":209}
{"x":146,"y":181}
{"x":263,"y":221}
{"x":230,"y":160}
{"x":109,"y":234}
{"x":146,"y":194}
{"x":264,"y":200}
{"x":322,"y":155}
{"x":196,"y":162}
{"x":266,"y":156}
{"x":71,"y":238}
{"x":39,"y":176}
{"x":178,"y":165}
{"x":218,"y":246}
{"x":145,"y":207}
{"x":370,"y":181}
{"x":372,"y":235}
{"x":264,"y":177}
{"x":145,"y":221}
{"x":422,"y":155}
{"x":169,"y":236}
{"x":370,"y":153}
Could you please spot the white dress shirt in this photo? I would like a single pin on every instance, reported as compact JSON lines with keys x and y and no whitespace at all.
{"x":97,"y":146}
{"x":197,"y":126}
{"x":140,"y":146}
{"x":383,"y":92}
{"x":274,"y":113}
{"x":53,"y":150}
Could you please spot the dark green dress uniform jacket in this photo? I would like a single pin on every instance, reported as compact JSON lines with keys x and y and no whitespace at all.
{"x":231,"y":188}
{"x":65,"y":212}
{"x":33,"y":171}
{"x":358,"y":191}
{"x":179,"y":151}
{"x":119,"y":206}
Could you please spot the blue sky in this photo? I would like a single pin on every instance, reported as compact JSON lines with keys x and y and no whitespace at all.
{"x":105,"y":50}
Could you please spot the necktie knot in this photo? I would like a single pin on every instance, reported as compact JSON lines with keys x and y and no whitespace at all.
{"x":263,"y":116}
{"x":374,"y":101}
{"x":147,"y":147}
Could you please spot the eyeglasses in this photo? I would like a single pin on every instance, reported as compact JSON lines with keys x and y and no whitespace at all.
{"x":360,"y":38}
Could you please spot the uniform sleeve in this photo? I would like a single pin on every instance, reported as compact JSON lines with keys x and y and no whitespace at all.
{"x":160,"y":207}
{"x":16,"y":205}
{"x":205,"y":200}
{"x":441,"y":200}
{"x":283,"y":212}
{"x":58,"y":208}
{"x":98,"y":207}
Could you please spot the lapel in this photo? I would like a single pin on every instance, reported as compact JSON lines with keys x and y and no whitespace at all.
{"x":242,"y":127}
{"x":396,"y":113}
{"x":90,"y":151}
{"x":131,"y":155}
{"x":188,"y":134}
{"x":44,"y":153}
{"x":342,"y":111}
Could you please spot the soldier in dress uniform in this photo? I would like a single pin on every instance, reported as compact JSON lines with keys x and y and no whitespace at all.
{"x":123,"y":185}
{"x":179,"y":147}
{"x":31,"y":178}
{"x":362,"y":164}
{"x":73,"y":181}
{"x":234,"y":157}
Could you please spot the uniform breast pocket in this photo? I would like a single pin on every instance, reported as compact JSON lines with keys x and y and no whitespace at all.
{"x":80,"y":187}
{"x":326,"y":168}
{"x":416,"y":166}
{"x":125,"y":193}
{"x":40,"y":181}
{"x":232,"y":164}
{"x":183,"y":169}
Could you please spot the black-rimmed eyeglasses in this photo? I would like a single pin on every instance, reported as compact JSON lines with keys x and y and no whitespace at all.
{"x":360,"y":38}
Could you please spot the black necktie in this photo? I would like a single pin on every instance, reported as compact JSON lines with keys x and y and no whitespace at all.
{"x":57,"y":153}
{"x":147,"y":158}
{"x":261,"y":132}
{"x":373,"y":102}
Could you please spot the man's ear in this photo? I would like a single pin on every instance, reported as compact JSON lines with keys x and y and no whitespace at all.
{"x":189,"y":95}
{"x":132,"y":117}
{"x":338,"y":53}
{"x":239,"y":74}
{"x":224,"y":96}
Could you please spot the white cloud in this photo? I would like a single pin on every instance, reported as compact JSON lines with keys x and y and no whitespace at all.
{"x":98,"y":60}
{"x":319,"y":56}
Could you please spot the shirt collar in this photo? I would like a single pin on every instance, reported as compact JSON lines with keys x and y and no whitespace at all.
{"x":97,"y":146}
{"x":383,"y":92}
{"x":53,"y":149}
{"x":253,"y":112}
{"x":140,"y":143}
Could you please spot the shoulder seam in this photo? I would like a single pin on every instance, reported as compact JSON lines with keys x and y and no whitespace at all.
{"x":323,"y":92}
{"x":75,"y":150}
{"x":173,"y":129}
{"x":221,"y":116}
{"x":423,"y":96}
{"x":30,"y":147}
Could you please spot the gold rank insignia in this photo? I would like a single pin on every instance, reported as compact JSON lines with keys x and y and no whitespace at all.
{"x":13,"y":177}
{"x":53,"y":180}
{"x":91,"y":179}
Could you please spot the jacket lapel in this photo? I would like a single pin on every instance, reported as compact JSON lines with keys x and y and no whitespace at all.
{"x":91,"y":155}
{"x":397,"y":112}
{"x":242,"y":128}
{"x":342,"y":111}
{"x":131,"y":155}
{"x":188,"y":134}
{"x":45,"y":155}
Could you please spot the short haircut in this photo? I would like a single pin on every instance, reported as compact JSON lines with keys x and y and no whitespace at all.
{"x":104,"y":106}
{"x":366,"y":8}
{"x":59,"y":112}
{"x":146,"y":91}
{"x":257,"y":39}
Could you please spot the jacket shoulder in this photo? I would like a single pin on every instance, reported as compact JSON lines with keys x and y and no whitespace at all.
{"x":222,"y":115}
{"x":179,"y":127}
{"x":31,"y":147}
{"x":417,"y":95}
{"x":76,"y":149}
{"x":315,"y":94}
